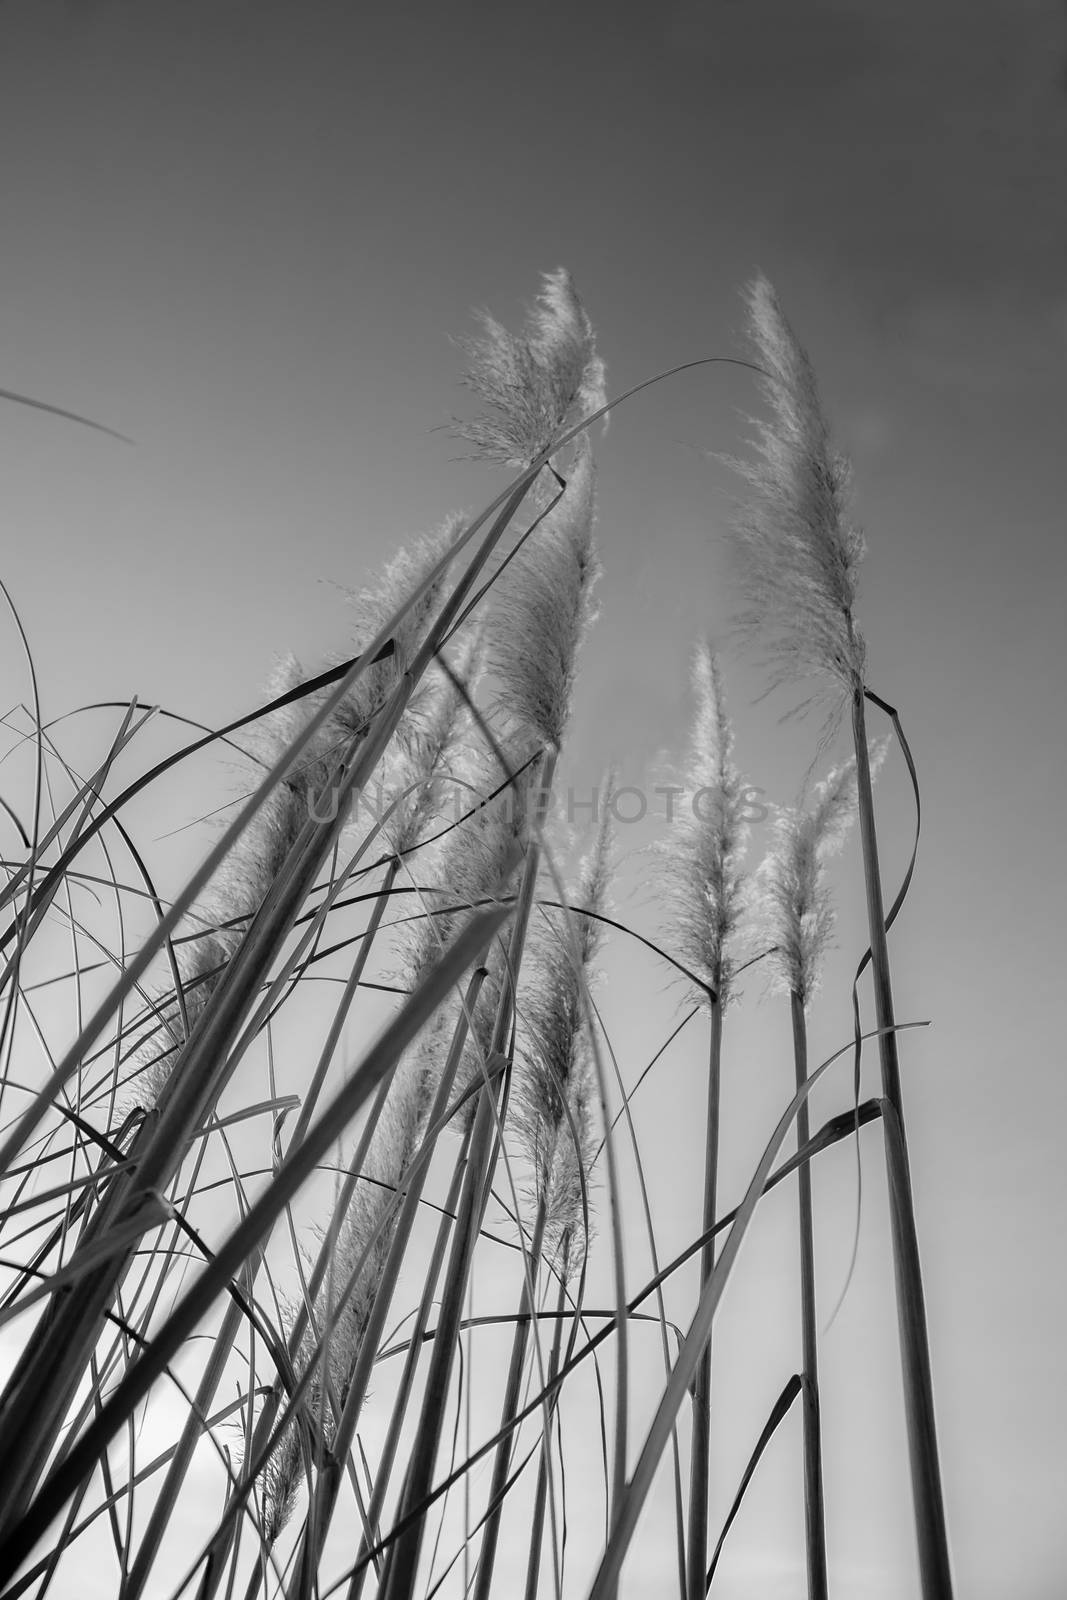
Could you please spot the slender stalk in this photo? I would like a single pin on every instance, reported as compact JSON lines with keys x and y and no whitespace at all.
{"x":163,"y":1509}
{"x":411,"y":1361}
{"x":814,"y":1512}
{"x":227,"y":1334}
{"x":403,"y":1559}
{"x":302,"y":1321}
{"x":537,"y":1528}
{"x":324,"y":1498}
{"x":34,"y":1409}
{"x":83,"y":1453}
{"x":700,"y":1457}
{"x":502,"y":1460}
{"x":930,"y":1523}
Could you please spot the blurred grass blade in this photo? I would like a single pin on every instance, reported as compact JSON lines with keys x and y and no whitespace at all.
{"x":59,"y":411}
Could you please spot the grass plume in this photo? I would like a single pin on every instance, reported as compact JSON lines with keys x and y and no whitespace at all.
{"x":532,"y":384}
{"x":799,"y":552}
{"x":799,"y":558}
{"x":705,"y":889}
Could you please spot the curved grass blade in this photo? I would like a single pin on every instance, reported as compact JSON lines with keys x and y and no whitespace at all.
{"x":778,"y":1412}
{"x":60,"y":411}
{"x":295,"y":1170}
{"x":637,"y":1490}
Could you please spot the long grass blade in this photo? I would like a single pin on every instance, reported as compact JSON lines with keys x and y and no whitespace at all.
{"x":779,"y":1411}
{"x":294,"y":1171}
{"x":685,"y":1368}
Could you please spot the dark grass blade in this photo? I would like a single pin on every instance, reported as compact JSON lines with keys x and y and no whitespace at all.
{"x":60,"y":411}
{"x":195,"y":1304}
{"x":779,"y":1411}
{"x":685,"y":1369}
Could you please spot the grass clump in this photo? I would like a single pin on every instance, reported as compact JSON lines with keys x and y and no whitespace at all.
{"x":453,"y":710}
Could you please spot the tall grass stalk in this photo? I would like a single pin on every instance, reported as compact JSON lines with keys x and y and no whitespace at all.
{"x":702,"y":873}
{"x":553,"y":1104}
{"x":531,"y":383}
{"x":796,"y":921}
{"x":537,"y":1520}
{"x":285,"y":1466}
{"x":410,"y":1106}
{"x":405,"y":1385}
{"x":928,"y":1494}
{"x":684,"y":1372}
{"x":163,"y":1509}
{"x":814,"y":1509}
{"x":402,"y":1561}
{"x":38,"y":1396}
{"x":800,"y":559}
{"x":234,"y":1317}
{"x":378,"y":1293}
{"x":35,"y":1401}
{"x":83,"y":1454}
{"x":43,"y":1388}
{"x":483,"y":1581}
{"x":474,"y":859}
{"x":498,"y":1037}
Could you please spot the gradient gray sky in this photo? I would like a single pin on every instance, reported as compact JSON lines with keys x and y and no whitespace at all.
{"x":242,"y":232}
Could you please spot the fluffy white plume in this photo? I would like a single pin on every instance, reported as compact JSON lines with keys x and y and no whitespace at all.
{"x":702,"y":852}
{"x":554,"y":1090}
{"x":474,"y":862}
{"x":535,"y":383}
{"x":799,"y":552}
{"x":541,"y":609}
{"x":795,"y":911}
{"x":242,"y":882}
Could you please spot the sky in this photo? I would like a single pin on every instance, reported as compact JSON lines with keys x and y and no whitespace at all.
{"x":245,"y":234}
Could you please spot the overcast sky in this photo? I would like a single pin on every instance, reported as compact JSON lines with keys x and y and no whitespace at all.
{"x":242,"y":233}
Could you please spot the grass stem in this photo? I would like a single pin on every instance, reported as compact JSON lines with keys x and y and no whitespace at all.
{"x":930,"y":1522}
{"x":700,"y":1456}
{"x":814,"y":1511}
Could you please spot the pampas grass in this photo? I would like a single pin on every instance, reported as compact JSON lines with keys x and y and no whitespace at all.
{"x":795,"y":918}
{"x":554,"y":1091}
{"x":795,"y":910}
{"x":553,"y":1127}
{"x":542,"y":610}
{"x":799,"y":559}
{"x":535,"y":383}
{"x":531,"y":385}
{"x":358,"y":1254}
{"x":699,"y":861}
{"x":705,"y":890}
{"x":245,"y":878}
{"x":798,"y":551}
{"x":457,"y":710}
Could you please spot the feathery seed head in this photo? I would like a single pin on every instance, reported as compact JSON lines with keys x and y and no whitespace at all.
{"x":533,"y":384}
{"x":554,"y":1092}
{"x":432,"y":735}
{"x":340,"y":1322}
{"x":473,"y":862}
{"x":799,"y":554}
{"x":704,"y":848}
{"x":542,"y":608}
{"x":795,"y":908}
{"x":244,"y":879}
{"x":376,"y":607}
